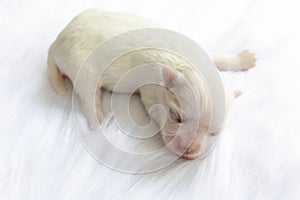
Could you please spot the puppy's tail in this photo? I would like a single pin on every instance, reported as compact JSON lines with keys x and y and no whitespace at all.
{"x":55,"y":76}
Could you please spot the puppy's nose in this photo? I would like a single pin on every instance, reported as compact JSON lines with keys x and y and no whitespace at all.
{"x":188,"y":147}
{"x":183,"y":148}
{"x":179,"y":145}
{"x":192,"y":149}
{"x":184,"y":145}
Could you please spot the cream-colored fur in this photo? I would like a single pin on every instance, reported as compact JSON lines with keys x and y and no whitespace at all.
{"x":90,"y":28}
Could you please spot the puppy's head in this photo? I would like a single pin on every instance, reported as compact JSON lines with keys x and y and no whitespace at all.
{"x":187,"y":103}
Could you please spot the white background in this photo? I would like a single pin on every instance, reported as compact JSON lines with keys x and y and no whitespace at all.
{"x":258,"y":156}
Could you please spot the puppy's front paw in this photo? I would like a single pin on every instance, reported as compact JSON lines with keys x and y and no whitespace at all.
{"x":246,"y":59}
{"x":95,"y":123}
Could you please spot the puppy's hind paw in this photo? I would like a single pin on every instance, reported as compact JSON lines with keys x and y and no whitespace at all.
{"x":247,"y":60}
{"x":237,"y":93}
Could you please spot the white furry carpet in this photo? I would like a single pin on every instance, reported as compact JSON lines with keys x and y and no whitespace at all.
{"x":257,"y":157}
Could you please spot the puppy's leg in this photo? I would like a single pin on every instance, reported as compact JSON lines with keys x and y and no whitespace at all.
{"x":98,"y":105}
{"x":92,"y":110}
{"x":238,"y":62}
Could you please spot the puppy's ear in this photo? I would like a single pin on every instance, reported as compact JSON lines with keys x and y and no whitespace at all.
{"x":170,"y":76}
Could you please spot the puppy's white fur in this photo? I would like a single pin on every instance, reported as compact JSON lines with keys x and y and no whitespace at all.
{"x":92,"y":27}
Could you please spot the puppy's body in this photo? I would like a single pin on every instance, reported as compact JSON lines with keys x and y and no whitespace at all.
{"x":90,"y":28}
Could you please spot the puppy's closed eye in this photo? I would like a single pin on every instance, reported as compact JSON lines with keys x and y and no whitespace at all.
{"x":175,"y":116}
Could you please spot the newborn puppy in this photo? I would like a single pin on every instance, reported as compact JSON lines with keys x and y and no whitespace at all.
{"x":90,"y":28}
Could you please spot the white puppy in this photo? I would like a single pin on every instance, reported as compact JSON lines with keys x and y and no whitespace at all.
{"x":90,"y":28}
